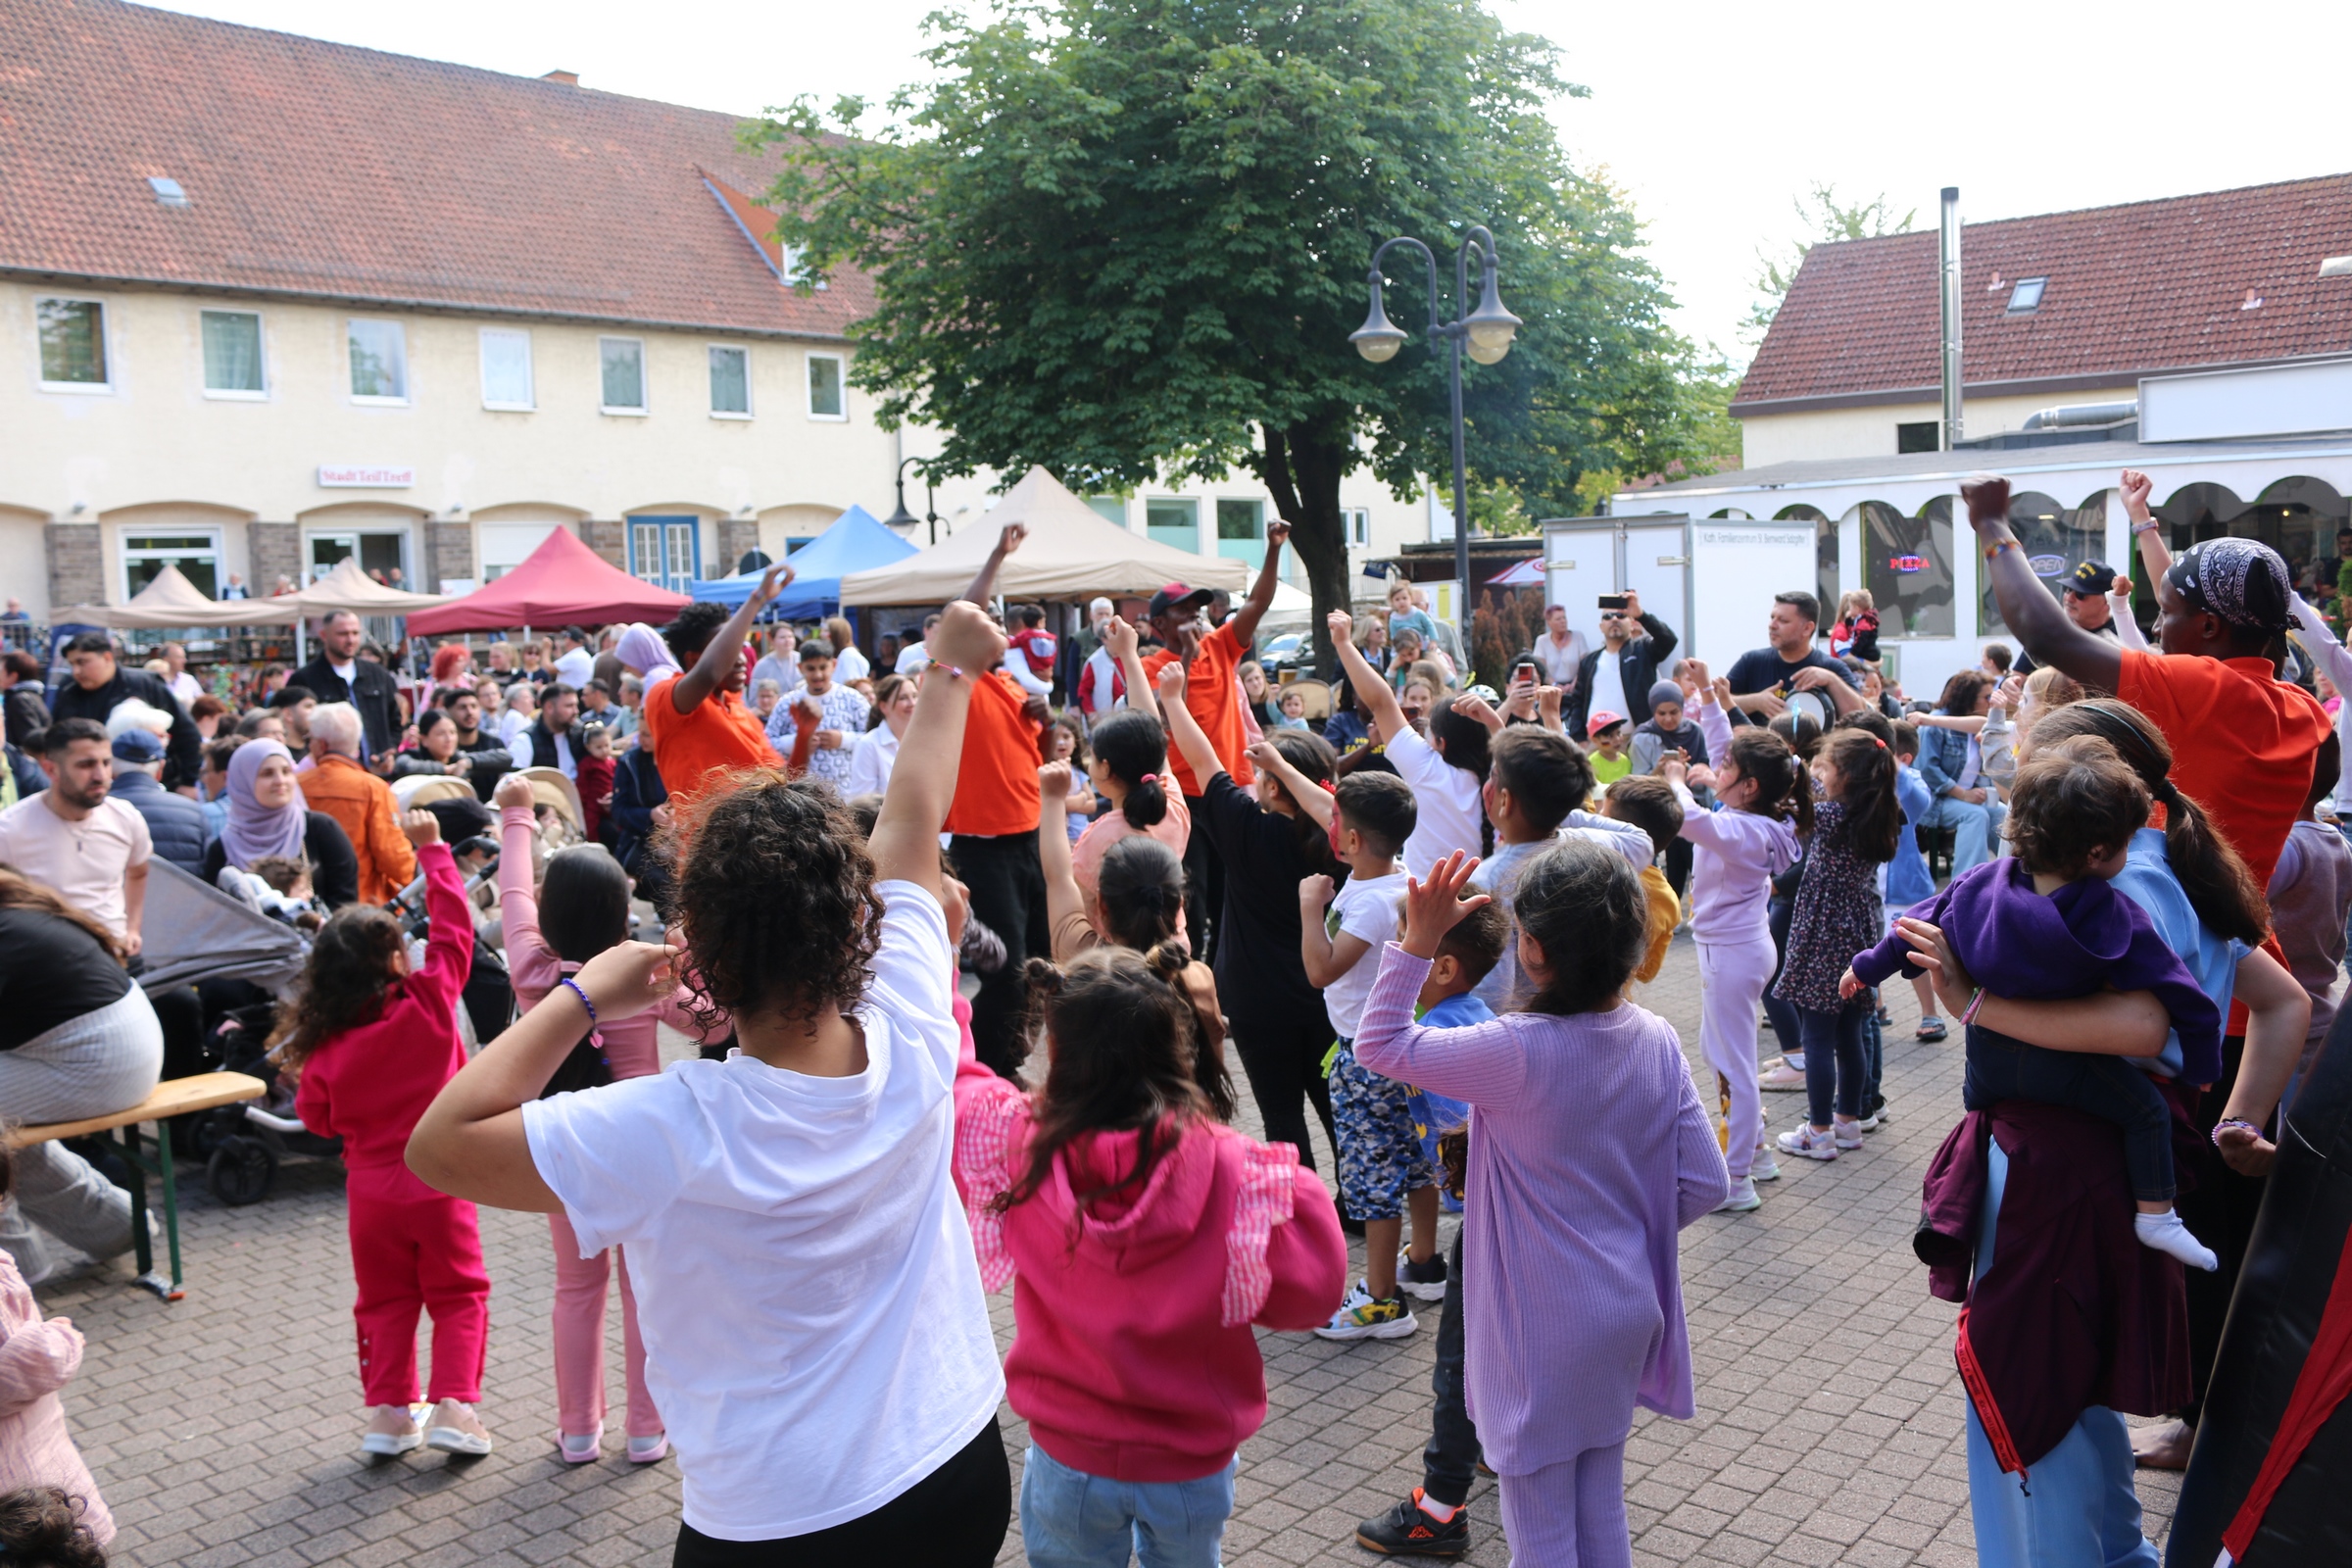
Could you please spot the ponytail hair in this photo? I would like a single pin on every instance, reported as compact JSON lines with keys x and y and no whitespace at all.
{"x":1140,"y":891}
{"x":1781,"y":789}
{"x":1170,"y":960}
{"x":2218,"y":884}
{"x":1134,"y":749}
{"x":1874,"y":819}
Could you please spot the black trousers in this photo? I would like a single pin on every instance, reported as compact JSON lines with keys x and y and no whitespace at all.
{"x":1009,"y":896}
{"x":954,"y":1517}
{"x":1203,"y":884}
{"x":1678,"y":865}
{"x":2219,"y":1208}
{"x":1450,"y":1461}
{"x":1283,"y":1058}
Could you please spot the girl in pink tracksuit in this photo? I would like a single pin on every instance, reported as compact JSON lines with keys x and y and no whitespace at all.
{"x":1740,"y":850}
{"x":1144,"y":1238}
{"x":582,"y":909}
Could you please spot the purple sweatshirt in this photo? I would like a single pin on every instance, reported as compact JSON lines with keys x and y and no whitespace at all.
{"x":1570,"y":1223}
{"x":2081,"y":939}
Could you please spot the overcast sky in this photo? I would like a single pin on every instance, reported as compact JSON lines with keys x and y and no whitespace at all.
{"x":1710,"y":115}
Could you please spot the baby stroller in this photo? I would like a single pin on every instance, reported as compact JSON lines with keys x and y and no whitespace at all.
{"x":246,"y":1141}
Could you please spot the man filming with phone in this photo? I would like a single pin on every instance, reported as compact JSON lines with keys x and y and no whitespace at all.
{"x":1634,"y":644}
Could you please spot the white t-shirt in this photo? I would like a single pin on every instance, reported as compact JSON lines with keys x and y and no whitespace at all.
{"x":814,"y":1329}
{"x":1561,"y":661}
{"x":1445,"y":797}
{"x":849,"y":664}
{"x":1366,"y":908}
{"x":577,"y":669}
{"x":913,"y":659}
{"x":183,"y":686}
{"x":1608,"y":690}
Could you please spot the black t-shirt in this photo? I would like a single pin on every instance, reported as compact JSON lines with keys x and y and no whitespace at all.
{"x":1762,"y":669}
{"x":335,"y":865}
{"x":51,"y":972}
{"x":1258,"y":969}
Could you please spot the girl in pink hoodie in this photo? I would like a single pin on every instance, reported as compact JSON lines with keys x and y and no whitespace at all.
{"x":1144,"y":1238}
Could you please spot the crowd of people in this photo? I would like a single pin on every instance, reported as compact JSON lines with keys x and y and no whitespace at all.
{"x":963,"y":969}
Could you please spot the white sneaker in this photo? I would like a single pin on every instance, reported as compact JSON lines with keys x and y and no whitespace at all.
{"x":1848,"y":1133}
{"x":457,"y":1429}
{"x":1363,"y":1317}
{"x":1807,"y":1144}
{"x":1763,"y":1167}
{"x":1782,"y":1077}
{"x":392,"y":1445}
{"x":1743,"y":1199}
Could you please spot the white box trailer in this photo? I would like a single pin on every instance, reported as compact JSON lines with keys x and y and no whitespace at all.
{"x":1710,"y":578}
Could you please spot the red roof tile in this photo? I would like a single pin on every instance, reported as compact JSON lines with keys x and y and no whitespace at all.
{"x":318,"y":170}
{"x":2133,"y":289}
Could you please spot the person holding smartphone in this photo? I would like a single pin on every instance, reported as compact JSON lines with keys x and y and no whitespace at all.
{"x":1635,"y":644}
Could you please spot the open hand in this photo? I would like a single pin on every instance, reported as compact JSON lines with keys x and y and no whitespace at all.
{"x":1436,"y":906}
{"x":513,"y":790}
{"x":421,"y":826}
{"x":1768,"y":704}
{"x":1930,"y":950}
{"x":1811,"y":679}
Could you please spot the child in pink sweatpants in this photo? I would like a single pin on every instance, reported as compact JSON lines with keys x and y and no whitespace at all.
{"x":585,"y":909}
{"x":373,"y":1042}
{"x":1738,"y":851}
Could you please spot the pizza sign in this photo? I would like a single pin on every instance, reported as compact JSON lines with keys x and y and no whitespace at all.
{"x":1908,"y":562}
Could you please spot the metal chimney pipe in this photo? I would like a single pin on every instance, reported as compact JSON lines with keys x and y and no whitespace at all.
{"x":1951,"y":254}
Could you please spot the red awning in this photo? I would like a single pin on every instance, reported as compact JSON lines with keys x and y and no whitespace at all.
{"x":561,"y":584}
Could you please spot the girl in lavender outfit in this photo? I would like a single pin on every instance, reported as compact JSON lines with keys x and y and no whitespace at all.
{"x":1570,"y":1220}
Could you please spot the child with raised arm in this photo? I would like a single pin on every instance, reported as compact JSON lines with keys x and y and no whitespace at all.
{"x":1588,"y":1152}
{"x":805,"y":1281}
{"x":1765,"y":802}
{"x":373,"y":1041}
{"x":1383,"y":1171}
{"x":1447,"y":771}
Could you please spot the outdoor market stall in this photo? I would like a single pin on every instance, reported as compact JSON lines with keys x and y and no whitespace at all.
{"x":561,"y":584}
{"x":855,"y":541}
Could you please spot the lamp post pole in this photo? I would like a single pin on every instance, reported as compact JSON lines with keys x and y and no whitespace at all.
{"x":1485,"y":333}
{"x":902,"y":518}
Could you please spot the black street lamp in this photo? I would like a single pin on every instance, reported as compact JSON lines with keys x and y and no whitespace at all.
{"x":1485,"y":333}
{"x":902,"y":518}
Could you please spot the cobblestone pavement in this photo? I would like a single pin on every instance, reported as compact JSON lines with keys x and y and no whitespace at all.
{"x":224,"y":1429}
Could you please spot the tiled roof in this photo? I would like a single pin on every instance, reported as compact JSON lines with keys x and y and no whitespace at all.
{"x":318,"y":170}
{"x":2133,"y":289}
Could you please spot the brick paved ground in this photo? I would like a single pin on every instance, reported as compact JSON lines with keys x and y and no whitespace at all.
{"x":224,"y":1429}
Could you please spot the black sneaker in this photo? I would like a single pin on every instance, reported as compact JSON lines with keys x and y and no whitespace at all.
{"x":1422,"y":1282}
{"x":1405,"y":1531}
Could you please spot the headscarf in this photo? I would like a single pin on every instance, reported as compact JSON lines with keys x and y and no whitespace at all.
{"x":2241,"y":580}
{"x":254,"y":829}
{"x":642,"y":649}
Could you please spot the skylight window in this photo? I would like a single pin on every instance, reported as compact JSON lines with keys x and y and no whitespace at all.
{"x":168,"y":192}
{"x":2026,"y":297}
{"x":2336,"y":267}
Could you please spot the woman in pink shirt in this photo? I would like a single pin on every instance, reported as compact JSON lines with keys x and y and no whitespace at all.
{"x":1131,"y":758}
{"x":585,"y":902}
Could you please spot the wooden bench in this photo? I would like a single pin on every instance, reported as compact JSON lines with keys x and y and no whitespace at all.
{"x":178,"y":1098}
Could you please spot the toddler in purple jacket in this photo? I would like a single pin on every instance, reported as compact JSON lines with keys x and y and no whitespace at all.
{"x":2048,"y":925}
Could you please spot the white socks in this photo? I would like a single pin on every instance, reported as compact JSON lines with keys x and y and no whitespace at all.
{"x":1435,"y":1509}
{"x":2165,"y":1233}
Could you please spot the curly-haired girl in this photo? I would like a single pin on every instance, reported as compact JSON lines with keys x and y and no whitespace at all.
{"x":373,"y":1042}
{"x":804,"y":1278}
{"x":1143,"y":1239}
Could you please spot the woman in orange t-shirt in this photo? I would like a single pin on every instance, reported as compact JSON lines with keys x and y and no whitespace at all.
{"x":696,"y":723}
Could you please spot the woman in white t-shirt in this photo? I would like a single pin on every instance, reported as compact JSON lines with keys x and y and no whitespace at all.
{"x":816,"y":1334}
{"x":1447,"y":770}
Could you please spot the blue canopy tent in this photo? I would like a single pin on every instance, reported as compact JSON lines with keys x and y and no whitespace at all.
{"x":857,"y":541}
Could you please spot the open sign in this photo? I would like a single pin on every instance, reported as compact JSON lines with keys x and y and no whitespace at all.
{"x":2047,"y":565}
{"x":1908,"y":562}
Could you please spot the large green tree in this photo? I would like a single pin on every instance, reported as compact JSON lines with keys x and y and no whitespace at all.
{"x":1129,"y":237}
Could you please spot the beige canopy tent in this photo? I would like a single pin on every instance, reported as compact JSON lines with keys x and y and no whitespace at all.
{"x":170,"y":600}
{"x":1072,"y":553}
{"x":347,"y":587}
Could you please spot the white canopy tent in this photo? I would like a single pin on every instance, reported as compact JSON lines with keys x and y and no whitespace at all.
{"x":348,"y":587}
{"x":170,"y":600}
{"x":1072,"y":553}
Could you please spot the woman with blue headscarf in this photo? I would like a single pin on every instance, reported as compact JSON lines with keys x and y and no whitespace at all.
{"x":268,"y":817}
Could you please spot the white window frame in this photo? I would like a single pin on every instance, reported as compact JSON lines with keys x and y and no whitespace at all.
{"x":260,"y":334}
{"x":124,"y":556}
{"x":841,"y":365}
{"x":1360,"y":526}
{"x":644,"y":380}
{"x":530,"y":369}
{"x":749,"y":406}
{"x":407,"y":385}
{"x":106,"y":347}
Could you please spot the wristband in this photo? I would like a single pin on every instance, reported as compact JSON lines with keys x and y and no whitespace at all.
{"x":1974,"y":1002}
{"x":2232,"y":1121}
{"x":2149,"y":526}
{"x":573,"y":986}
{"x":1998,"y":546}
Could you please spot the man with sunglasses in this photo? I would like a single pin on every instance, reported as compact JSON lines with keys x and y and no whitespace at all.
{"x":1634,"y":645}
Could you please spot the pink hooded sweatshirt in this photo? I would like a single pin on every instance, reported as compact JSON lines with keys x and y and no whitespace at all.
{"x":1134,"y":1358}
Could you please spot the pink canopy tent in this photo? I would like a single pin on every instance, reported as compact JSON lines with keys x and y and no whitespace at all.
{"x":561,"y":584}
{"x":1526,"y":574}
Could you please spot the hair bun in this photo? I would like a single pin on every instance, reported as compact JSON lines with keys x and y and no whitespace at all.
{"x":1168,"y":960}
{"x":1043,"y":975}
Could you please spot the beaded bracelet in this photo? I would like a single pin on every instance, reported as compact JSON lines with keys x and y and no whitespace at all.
{"x":2232,"y":1121}
{"x":1998,"y":546}
{"x":573,"y":986}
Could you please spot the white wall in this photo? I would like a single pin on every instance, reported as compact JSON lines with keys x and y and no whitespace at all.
{"x":1870,"y":432}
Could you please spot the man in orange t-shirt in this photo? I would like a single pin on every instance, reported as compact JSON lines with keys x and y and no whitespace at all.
{"x":1213,"y":697}
{"x":696,"y":723}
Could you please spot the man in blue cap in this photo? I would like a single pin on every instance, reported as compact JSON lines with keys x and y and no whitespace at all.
{"x":174,"y":822}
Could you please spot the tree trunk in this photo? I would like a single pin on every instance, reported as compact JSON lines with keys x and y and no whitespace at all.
{"x":1302,"y":465}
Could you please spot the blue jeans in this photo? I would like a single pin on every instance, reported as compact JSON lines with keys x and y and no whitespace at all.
{"x":1070,"y":1519}
{"x":2106,"y":1086}
{"x":1837,"y":1060}
{"x":1972,"y":827}
{"x":1782,"y":1015}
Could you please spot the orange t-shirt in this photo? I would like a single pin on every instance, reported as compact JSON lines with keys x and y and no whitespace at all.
{"x":719,"y":736}
{"x":1215,"y":703}
{"x":2244,"y":742}
{"x":996,"y":780}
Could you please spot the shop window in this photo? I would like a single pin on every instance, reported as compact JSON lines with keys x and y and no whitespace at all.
{"x":1907,"y":566}
{"x":2057,"y":540}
